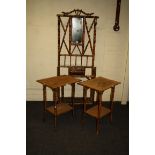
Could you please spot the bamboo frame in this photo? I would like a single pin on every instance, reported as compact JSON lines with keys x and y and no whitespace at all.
{"x":81,"y":48}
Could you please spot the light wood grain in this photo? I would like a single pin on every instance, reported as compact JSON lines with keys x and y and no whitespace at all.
{"x":94,"y":111}
{"x":99,"y":83}
{"x":58,"y":81}
{"x":61,"y":108}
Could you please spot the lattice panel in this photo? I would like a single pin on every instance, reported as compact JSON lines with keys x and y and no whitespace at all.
{"x":75,"y":49}
{"x":89,"y":33}
{"x":78,"y":54}
{"x":64,"y":35}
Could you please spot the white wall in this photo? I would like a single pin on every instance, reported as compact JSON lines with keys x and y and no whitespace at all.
{"x":111,"y":47}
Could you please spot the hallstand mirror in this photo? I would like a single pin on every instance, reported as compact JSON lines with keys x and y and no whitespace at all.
{"x":77,"y":30}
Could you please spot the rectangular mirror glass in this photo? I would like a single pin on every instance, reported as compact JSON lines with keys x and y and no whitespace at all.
{"x":77,"y":30}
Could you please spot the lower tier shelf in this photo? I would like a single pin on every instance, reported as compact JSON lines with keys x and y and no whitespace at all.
{"x":94,"y":111}
{"x":61,"y":108}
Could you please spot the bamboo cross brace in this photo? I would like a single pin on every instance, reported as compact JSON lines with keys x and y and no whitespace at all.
{"x":73,"y":49}
{"x":91,"y":25}
{"x":89,"y":32}
{"x":65,"y":30}
{"x":86,"y":46}
{"x":89,"y":36}
{"x":79,"y":49}
{"x":66,"y":46}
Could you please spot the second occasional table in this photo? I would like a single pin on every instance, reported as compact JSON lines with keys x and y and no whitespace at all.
{"x":55,"y":83}
{"x":99,"y":84}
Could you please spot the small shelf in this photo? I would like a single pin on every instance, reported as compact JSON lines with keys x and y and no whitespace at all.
{"x":61,"y":108}
{"x":94,"y":111}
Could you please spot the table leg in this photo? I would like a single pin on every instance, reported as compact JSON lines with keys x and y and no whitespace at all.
{"x":97,"y":126}
{"x":97,"y":98}
{"x":99,"y":94}
{"x":84,"y":103}
{"x":92,"y":93}
{"x":85,"y":98}
{"x":111,"y":101}
{"x":55,"y":94}
{"x":62,"y":94}
{"x":72,"y":97}
{"x":44,"y":102}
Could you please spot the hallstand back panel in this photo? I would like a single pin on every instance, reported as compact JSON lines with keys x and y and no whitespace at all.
{"x":76,"y":43}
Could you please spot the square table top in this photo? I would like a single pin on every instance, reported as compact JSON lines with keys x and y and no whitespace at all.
{"x":58,"y":81}
{"x":99,"y":83}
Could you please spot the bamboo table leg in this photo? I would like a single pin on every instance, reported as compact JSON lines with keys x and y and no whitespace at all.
{"x":55,"y":94}
{"x":72,"y":97}
{"x":111,"y":101}
{"x":97,"y":98}
{"x":62,"y":93}
{"x":44,"y":102}
{"x":85,"y":98}
{"x":92,"y":93}
{"x":99,"y":94}
{"x":84,"y":102}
